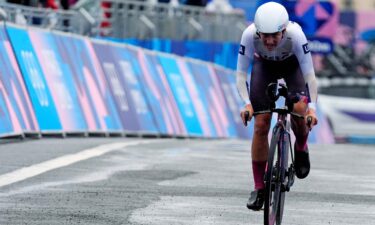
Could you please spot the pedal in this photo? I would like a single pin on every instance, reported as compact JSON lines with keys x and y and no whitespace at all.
{"x":290,"y":176}
{"x":285,"y":188}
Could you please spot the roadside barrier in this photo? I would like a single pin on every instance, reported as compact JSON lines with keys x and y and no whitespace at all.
{"x":58,"y":83}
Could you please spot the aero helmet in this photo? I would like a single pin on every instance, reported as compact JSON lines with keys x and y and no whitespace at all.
{"x":271,"y":17}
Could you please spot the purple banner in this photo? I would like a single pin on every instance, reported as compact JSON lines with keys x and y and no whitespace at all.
{"x":212,"y":94}
{"x":116,"y":83}
{"x":92,"y":92}
{"x":125,"y":60}
{"x":227,"y":82}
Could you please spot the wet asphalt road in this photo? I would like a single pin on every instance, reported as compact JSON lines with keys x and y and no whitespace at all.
{"x":172,"y":181}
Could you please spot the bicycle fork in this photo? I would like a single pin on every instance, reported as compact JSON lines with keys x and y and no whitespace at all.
{"x":289,"y":171}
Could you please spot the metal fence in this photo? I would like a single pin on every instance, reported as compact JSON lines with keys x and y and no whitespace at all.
{"x":143,"y":20}
{"x":133,"y":19}
{"x":40,"y":17}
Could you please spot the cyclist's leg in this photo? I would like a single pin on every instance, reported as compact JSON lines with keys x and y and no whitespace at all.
{"x":261,"y":76}
{"x":260,"y":79}
{"x":299,"y":127}
{"x":296,"y":84}
{"x":259,"y":148}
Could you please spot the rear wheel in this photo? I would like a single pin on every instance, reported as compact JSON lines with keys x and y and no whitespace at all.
{"x":273,"y":184}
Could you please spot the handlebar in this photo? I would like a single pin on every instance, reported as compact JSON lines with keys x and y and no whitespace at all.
{"x":280,"y":111}
{"x":247,"y":116}
{"x":273,"y":92}
{"x":309,"y":122}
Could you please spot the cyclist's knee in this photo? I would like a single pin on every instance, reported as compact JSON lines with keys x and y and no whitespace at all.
{"x":262,"y":124}
{"x":300,"y":107}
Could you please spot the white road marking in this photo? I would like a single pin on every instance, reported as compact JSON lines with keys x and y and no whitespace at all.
{"x":37,"y":169}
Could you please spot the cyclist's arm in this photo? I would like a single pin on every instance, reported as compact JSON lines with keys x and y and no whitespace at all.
{"x":245,"y":56}
{"x":302,"y":51}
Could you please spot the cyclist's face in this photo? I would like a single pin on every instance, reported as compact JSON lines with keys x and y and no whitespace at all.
{"x":270,"y":41}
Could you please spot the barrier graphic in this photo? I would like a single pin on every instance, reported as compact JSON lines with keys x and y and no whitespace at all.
{"x":213,"y":99}
{"x":227,"y":81}
{"x":129,"y":71}
{"x":17,"y":113}
{"x":163,"y":102}
{"x":76,"y":54}
{"x":183,"y":97}
{"x":70,"y":84}
{"x":60,"y":81}
{"x":40,"y":95}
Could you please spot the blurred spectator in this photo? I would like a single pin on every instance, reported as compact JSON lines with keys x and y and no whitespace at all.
{"x":20,"y":2}
{"x":194,"y":2}
{"x":106,"y":24}
{"x":219,"y":6}
{"x":49,"y":4}
{"x":67,"y":4}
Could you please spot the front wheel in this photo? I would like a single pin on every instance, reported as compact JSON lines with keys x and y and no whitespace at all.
{"x":273,"y":182}
{"x":284,"y":180}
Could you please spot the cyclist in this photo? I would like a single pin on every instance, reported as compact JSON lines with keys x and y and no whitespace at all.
{"x":277,"y":48}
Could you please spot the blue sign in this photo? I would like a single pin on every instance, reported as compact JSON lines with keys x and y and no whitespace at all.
{"x":320,"y":45}
{"x":36,"y":84}
{"x":181,"y":94}
{"x":129,"y":72}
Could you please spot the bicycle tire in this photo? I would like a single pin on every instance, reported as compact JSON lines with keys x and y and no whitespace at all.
{"x":273,"y":187}
{"x":284,"y":141}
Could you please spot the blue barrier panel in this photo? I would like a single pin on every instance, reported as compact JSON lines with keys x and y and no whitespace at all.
{"x":17,"y":112}
{"x":117,"y":84}
{"x":60,"y":81}
{"x":126,"y":60}
{"x":227,"y":81}
{"x":151,"y":86}
{"x":195,"y":83}
{"x":159,"y":91}
{"x":77,"y":55}
{"x":181,"y":94}
{"x":226,"y":54}
{"x":40,"y":95}
{"x":214,"y":98}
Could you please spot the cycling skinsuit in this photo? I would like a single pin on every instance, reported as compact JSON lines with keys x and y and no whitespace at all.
{"x":291,"y":60}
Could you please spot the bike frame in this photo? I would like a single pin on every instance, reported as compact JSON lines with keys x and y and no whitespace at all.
{"x":279,"y":176}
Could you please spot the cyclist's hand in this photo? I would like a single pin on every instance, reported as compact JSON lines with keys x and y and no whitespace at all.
{"x":249,"y":109}
{"x":311,"y":118}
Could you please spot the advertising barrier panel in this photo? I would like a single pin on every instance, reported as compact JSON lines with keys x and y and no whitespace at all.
{"x":227,"y":81}
{"x":125,"y":60}
{"x":116,"y":83}
{"x":90,"y":84}
{"x":162,"y":106}
{"x":206,"y":115}
{"x":17,"y":113}
{"x":182,"y":95}
{"x":213,"y":99}
{"x":60,"y":81}
{"x":159,"y":93}
{"x":39,"y":93}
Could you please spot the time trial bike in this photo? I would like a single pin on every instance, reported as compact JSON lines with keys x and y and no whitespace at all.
{"x":279,"y":176}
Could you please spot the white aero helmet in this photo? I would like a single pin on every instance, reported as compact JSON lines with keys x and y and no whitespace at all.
{"x":271,"y":17}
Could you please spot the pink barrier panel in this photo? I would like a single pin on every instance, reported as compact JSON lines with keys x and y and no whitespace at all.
{"x":93,"y":94}
{"x":60,"y":81}
{"x":161,"y":99}
{"x":209,"y":121}
{"x":212,"y":95}
{"x":17,"y":113}
{"x":227,"y":81}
